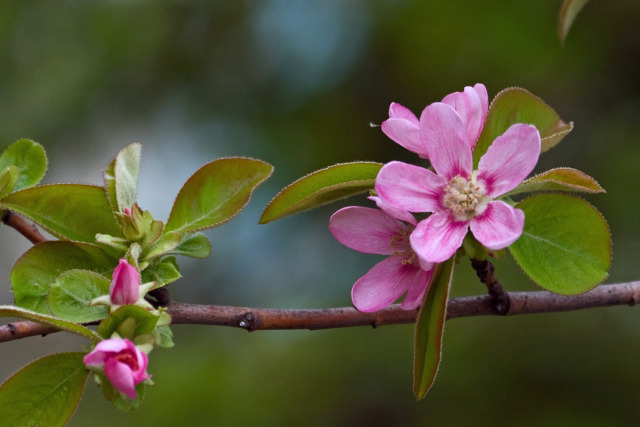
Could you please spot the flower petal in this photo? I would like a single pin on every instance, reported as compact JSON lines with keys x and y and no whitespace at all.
{"x":415,"y":293}
{"x":365,"y":230}
{"x":499,"y":226}
{"x":400,"y":214}
{"x":385,"y":283}
{"x":120,"y":376}
{"x":438,"y":237}
{"x":406,"y":134}
{"x":410,"y":187}
{"x":472,"y":105}
{"x":445,"y":137}
{"x":397,"y":111}
{"x":509,"y":159}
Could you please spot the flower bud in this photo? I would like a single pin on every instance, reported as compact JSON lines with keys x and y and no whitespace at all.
{"x":125,"y":284}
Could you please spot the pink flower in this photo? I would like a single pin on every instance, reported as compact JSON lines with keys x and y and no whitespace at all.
{"x":375,"y":231}
{"x":472,"y":105}
{"x":459,"y":197}
{"x":124,"y":365}
{"x":125,"y":284}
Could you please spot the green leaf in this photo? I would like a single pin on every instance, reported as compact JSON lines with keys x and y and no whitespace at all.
{"x":516,"y":105}
{"x":195,"y":245}
{"x":71,"y":293}
{"x":568,"y":12}
{"x":38,"y":268}
{"x":165,"y":244}
{"x":11,"y":311}
{"x":561,"y":179}
{"x":128,"y":321}
{"x":321,"y":187}
{"x":430,"y":328}
{"x":162,"y":271}
{"x":68,"y":211}
{"x":8,"y":180}
{"x":126,"y":175}
{"x":216,"y":193}
{"x":565,"y":246}
{"x":45,"y":392}
{"x":30,"y":159}
{"x":163,"y":336}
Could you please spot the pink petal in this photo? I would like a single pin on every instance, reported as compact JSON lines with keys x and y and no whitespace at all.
{"x":415,"y":294}
{"x":385,"y":283}
{"x":141,"y":374}
{"x":400,"y":214}
{"x":444,"y":135}
{"x":365,"y":230}
{"x":438,"y":237}
{"x":405,"y":133}
{"x":125,"y":284}
{"x":471,"y":105}
{"x":499,"y":225}
{"x":397,"y":111}
{"x":410,"y":187}
{"x":509,"y":159}
{"x":121,"y":377}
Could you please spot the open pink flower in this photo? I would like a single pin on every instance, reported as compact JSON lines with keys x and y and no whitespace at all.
{"x":124,"y":365}
{"x":459,"y":197}
{"x":125,"y":284}
{"x":471,"y":104}
{"x":375,"y":231}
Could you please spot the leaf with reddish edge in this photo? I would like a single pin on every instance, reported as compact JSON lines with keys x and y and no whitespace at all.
{"x":11,"y":311}
{"x":560,"y":179}
{"x":322,"y":187}
{"x":68,"y":211}
{"x":430,"y":328}
{"x":567,"y":15}
{"x":516,"y":105}
{"x":565,"y":246}
{"x":30,"y":159}
{"x":216,"y":193}
{"x":35,"y":271}
{"x":45,"y":392}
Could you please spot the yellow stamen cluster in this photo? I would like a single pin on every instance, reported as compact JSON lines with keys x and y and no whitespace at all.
{"x":465,"y":197}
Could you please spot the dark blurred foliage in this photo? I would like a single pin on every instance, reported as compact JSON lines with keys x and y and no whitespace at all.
{"x":297,"y":83}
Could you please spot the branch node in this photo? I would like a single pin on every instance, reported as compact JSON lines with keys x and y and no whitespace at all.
{"x":12,"y":329}
{"x":247,"y":322}
{"x":161,"y":296}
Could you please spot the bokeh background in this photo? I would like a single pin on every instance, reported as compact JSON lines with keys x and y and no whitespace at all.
{"x":297,"y":84}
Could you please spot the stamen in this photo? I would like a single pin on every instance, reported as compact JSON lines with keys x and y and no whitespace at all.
{"x":465,"y":197}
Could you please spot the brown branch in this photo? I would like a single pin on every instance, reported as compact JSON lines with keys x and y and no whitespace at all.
{"x":485,"y":272}
{"x":29,"y":231}
{"x":253,"y":319}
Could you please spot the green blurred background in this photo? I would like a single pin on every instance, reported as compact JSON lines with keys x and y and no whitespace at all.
{"x":297,"y":83}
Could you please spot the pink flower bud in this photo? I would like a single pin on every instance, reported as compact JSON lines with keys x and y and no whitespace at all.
{"x":125,"y":284}
{"x":124,"y":365}
{"x":126,"y":211}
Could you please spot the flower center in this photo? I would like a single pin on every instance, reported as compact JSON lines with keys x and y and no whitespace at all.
{"x":465,"y":197}
{"x":128,"y":359}
{"x":402,"y":247}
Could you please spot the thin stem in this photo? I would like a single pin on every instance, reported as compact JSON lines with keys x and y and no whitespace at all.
{"x":253,"y":319}
{"x":29,"y":231}
{"x":485,"y":272}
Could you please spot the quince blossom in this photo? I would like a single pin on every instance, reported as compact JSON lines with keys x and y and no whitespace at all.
{"x":376,"y":231}
{"x":124,"y":365}
{"x":459,"y":197}
{"x":125,"y":284}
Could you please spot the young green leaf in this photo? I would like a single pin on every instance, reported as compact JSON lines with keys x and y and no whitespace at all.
{"x":128,"y":321}
{"x":322,"y":187}
{"x":45,"y":392}
{"x":163,"y":271}
{"x":12,"y":311}
{"x":561,"y":179}
{"x":430,"y":328}
{"x":195,"y":245}
{"x":121,"y":177}
{"x":568,"y":12}
{"x":8,"y":180}
{"x":516,"y":105}
{"x":565,"y":246}
{"x":30,"y":159}
{"x":68,"y":211}
{"x":38,"y":268}
{"x":216,"y":193}
{"x":71,"y":293}
{"x":165,"y":244}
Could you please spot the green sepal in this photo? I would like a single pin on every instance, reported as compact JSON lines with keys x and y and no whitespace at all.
{"x":195,"y":245}
{"x":68,"y":211}
{"x":216,"y":193}
{"x":72,"y":292}
{"x":30,"y":159}
{"x":430,"y":329}
{"x":565,"y":246}
{"x":45,"y":392}
{"x":38,"y":268}
{"x":8,"y":180}
{"x":560,"y":179}
{"x":516,"y":105}
{"x":128,"y":322}
{"x":118,"y":399}
{"x":322,"y":187}
{"x":12,"y":311}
